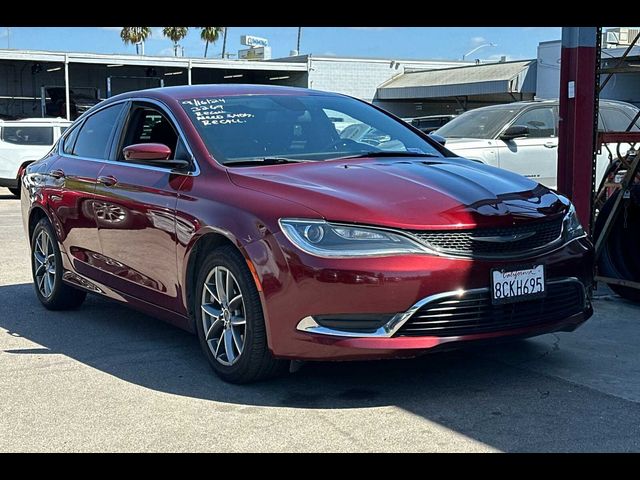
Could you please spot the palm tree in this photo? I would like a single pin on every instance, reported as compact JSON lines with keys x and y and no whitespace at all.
{"x":175,"y":34}
{"x":210,"y":35}
{"x":135,"y":35}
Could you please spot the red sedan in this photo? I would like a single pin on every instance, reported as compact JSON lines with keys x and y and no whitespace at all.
{"x":244,"y":214}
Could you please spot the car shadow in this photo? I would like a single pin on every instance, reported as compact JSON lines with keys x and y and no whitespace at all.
{"x":503,"y":405}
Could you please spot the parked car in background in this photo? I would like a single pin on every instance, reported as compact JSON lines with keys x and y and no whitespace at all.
{"x":431,"y":123}
{"x":239,"y":212}
{"x":24,"y":141}
{"x":523,"y":137}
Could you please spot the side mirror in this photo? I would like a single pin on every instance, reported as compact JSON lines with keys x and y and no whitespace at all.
{"x":156,"y":154}
{"x":146,"y":151}
{"x":515,"y":131}
{"x":438,"y":138}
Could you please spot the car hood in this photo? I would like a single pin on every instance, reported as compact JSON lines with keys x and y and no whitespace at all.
{"x":446,"y":193}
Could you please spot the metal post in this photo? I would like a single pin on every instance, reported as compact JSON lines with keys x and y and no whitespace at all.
{"x":189,"y":73}
{"x":43,"y":102}
{"x":224,"y":42}
{"x":66,"y":86}
{"x":578,"y":117}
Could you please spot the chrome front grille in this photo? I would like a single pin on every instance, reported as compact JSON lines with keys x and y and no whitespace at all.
{"x":473,"y":313}
{"x":493,"y":242}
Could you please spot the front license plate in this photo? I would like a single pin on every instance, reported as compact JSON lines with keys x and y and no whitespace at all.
{"x":508,"y":286}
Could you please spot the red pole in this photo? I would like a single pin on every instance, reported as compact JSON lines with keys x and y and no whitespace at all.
{"x":578,"y":117}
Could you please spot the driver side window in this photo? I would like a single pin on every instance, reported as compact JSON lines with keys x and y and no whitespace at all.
{"x":148,"y":124}
{"x":541,"y":122}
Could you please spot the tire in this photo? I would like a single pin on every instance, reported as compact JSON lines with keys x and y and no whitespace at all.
{"x":52,"y":292}
{"x":15,"y":192}
{"x":249,"y":359}
{"x":621,"y":254}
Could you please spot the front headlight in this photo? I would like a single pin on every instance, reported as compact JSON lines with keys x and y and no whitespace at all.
{"x":571,"y":228}
{"x":324,"y":239}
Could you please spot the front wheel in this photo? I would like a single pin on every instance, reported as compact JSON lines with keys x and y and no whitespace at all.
{"x":46,"y":267}
{"x":229,"y":319}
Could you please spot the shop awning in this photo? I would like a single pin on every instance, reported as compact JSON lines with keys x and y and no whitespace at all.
{"x":483,"y":79}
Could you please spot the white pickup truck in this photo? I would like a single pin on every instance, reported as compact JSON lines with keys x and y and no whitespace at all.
{"x":25,"y":141}
{"x":523,"y":136}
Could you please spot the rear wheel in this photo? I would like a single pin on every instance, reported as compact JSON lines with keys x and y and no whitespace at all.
{"x":46,"y":267}
{"x":229,"y":319}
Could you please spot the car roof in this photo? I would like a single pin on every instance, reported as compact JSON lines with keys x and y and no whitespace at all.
{"x":185,"y":92}
{"x":618,"y":102}
{"x":527,"y":103}
{"x":38,"y":120}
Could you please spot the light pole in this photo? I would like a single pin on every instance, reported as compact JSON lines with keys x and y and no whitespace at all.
{"x":224,"y":42}
{"x":478,"y":48}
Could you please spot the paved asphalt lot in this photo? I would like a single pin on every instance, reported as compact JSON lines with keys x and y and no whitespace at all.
{"x":104,"y":378}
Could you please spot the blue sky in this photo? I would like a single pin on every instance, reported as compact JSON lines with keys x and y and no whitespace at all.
{"x":388,"y":42}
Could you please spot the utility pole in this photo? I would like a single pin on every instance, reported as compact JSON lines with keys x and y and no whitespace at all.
{"x":299,"y":35}
{"x":224,"y":42}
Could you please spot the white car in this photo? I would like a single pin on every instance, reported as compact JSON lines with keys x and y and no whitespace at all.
{"x":523,"y":136}
{"x":25,"y":141}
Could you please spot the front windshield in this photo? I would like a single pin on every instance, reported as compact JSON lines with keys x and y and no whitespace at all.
{"x":481,"y":123}
{"x":298,"y":127}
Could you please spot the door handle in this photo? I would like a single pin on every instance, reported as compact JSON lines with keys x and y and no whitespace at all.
{"x":550,"y":145}
{"x":57,"y":173}
{"x":108,"y":180}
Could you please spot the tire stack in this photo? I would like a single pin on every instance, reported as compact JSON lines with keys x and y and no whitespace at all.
{"x":620,"y":256}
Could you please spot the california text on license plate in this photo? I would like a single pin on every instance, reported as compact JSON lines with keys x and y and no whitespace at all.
{"x":509,"y":286}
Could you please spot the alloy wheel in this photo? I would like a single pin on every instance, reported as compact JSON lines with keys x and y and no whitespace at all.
{"x":45,"y":263}
{"x":223,"y":316}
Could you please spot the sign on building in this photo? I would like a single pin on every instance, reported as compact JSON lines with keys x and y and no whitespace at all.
{"x":251,"y":41}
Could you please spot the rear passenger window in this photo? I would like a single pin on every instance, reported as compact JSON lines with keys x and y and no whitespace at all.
{"x":28,"y":135}
{"x":616,"y":120}
{"x":70,"y":141}
{"x":95,"y":133}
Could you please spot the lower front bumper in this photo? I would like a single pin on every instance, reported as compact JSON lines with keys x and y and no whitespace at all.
{"x":330,"y":291}
{"x":390,"y":339}
{"x":397,"y":345}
